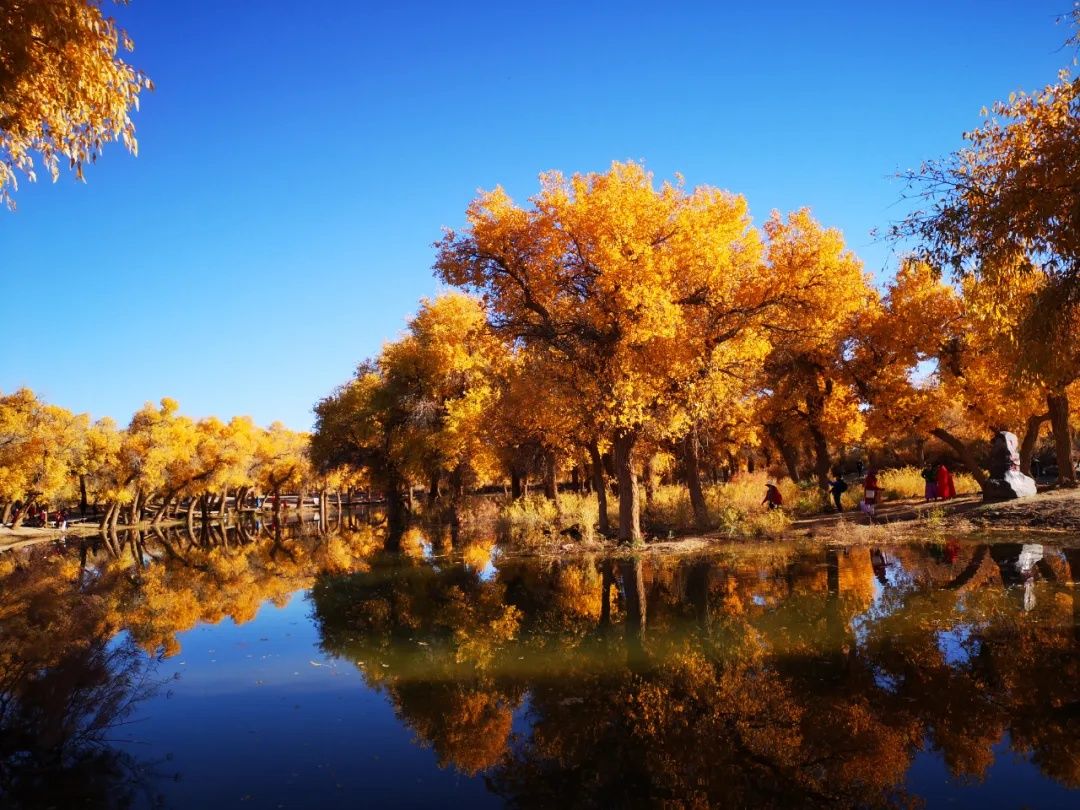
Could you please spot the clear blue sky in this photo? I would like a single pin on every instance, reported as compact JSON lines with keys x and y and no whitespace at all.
{"x":297,"y":160}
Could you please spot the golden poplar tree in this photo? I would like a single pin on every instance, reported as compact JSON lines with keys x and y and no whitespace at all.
{"x":644,"y":290}
{"x":64,"y":90}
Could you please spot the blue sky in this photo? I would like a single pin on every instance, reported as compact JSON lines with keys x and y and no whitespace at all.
{"x":298,"y":160}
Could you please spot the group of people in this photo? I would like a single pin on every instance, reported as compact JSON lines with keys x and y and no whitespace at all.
{"x":939,"y":483}
{"x":939,"y":486}
{"x":38,"y":515}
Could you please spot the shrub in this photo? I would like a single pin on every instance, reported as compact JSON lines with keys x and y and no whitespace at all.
{"x":534,"y":520}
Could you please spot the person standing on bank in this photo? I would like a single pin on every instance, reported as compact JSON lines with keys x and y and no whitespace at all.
{"x":930,"y":492}
{"x":945,"y":487}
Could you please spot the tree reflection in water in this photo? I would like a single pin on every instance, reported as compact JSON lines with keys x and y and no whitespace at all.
{"x":786,"y":679}
{"x":767,"y":677}
{"x":83,"y":627}
{"x":66,"y":690}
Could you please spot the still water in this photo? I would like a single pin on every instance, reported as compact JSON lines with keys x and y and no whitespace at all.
{"x":248,"y":670}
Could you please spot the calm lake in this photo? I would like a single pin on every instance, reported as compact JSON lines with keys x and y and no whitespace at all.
{"x":243,"y":669}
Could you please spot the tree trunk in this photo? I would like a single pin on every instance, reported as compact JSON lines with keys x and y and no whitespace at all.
{"x":1031,"y":439}
{"x":82,"y":495}
{"x":515,"y":483}
{"x":191,"y":517}
{"x":397,"y":510}
{"x":6,"y":516}
{"x":822,"y":463}
{"x":457,"y":492}
{"x":600,"y":485}
{"x":135,"y":511}
{"x":787,"y":451}
{"x":648,"y":478}
{"x":629,"y":508}
{"x":104,"y":522}
{"x":159,"y":515}
{"x":964,"y":453}
{"x":692,"y":476}
{"x":551,"y":483}
{"x":1058,"y":404}
{"x":815,"y":409}
{"x":433,"y":487}
{"x":223,"y":506}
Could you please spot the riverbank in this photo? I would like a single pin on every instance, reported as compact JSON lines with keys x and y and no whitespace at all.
{"x":1053,"y":512}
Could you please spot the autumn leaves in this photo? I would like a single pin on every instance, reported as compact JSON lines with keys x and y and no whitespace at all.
{"x":610,"y":317}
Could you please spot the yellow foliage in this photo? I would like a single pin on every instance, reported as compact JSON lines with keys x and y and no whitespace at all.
{"x":64,"y":90}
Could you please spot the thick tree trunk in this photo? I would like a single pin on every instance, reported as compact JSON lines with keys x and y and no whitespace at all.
{"x":191,"y":516}
{"x":397,"y":510}
{"x":82,"y":495}
{"x":1031,"y":439}
{"x":457,"y":493}
{"x":600,"y":485}
{"x":815,"y":410}
{"x":6,"y":515}
{"x":964,"y":453}
{"x":515,"y":484}
{"x":629,"y":508}
{"x":822,"y":462}
{"x":692,"y":477}
{"x":787,"y":451}
{"x":1058,"y":405}
{"x":223,"y":505}
{"x":648,"y":479}
{"x":433,"y":487}
{"x":551,"y":472}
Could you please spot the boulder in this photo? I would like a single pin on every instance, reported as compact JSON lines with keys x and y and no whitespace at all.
{"x":1006,"y":481}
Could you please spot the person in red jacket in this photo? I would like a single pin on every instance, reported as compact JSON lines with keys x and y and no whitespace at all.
{"x":871,"y":493}
{"x":945,"y":487}
{"x":773,"y":497}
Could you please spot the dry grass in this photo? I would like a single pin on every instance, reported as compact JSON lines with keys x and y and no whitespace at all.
{"x":535,"y":520}
{"x":907,"y":482}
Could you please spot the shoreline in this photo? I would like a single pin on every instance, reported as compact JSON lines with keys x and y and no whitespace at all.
{"x":1051,"y":514}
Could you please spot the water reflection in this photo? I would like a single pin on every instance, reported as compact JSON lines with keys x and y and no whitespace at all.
{"x":789,"y":679}
{"x":772,"y":677}
{"x":66,"y":690}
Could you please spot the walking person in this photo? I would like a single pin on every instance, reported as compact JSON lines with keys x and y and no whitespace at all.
{"x":837,"y":487}
{"x":871,"y":493}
